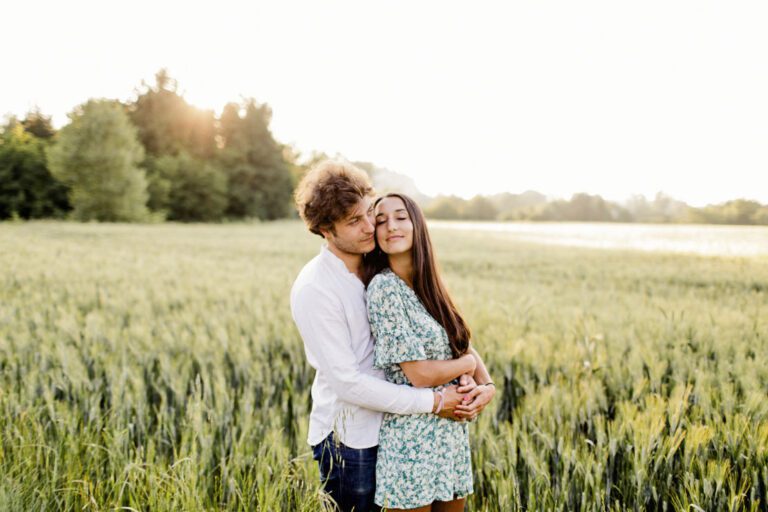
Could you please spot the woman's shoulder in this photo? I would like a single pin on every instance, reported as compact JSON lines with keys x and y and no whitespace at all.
{"x":383,"y":282}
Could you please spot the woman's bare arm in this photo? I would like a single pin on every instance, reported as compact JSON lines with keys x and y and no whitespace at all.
{"x":431,"y":372}
{"x":481,"y":374}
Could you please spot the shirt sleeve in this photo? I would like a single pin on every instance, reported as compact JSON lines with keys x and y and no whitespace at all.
{"x":395,"y":339}
{"x":322,"y":324}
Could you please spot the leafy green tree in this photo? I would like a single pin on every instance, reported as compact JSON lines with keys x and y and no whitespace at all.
{"x":27,"y":188}
{"x":517,"y":206}
{"x":167,"y":124}
{"x":38,"y":124}
{"x":260,"y":181}
{"x":761,"y":216}
{"x":97,"y":156}
{"x":480,"y":208}
{"x":583,"y":208}
{"x":737,"y":211}
{"x":740,"y":211}
{"x":158,"y":186}
{"x":446,"y":208}
{"x":192,"y":189}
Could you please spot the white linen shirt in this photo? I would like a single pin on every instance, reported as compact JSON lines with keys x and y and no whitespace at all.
{"x":348,"y":394}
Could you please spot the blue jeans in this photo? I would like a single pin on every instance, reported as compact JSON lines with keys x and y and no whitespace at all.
{"x":348,"y":474}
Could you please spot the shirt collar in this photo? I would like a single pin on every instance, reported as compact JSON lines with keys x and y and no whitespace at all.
{"x":336,"y":263}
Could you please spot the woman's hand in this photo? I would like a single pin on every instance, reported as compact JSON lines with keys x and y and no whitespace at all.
{"x":475,"y":401}
{"x":466,"y":383}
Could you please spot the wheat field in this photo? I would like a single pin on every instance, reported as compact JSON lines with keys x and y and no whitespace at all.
{"x":156,"y":367}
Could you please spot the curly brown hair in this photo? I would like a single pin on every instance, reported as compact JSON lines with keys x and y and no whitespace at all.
{"x":328,"y":192}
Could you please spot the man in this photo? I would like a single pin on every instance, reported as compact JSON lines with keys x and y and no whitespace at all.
{"x":335,"y":200}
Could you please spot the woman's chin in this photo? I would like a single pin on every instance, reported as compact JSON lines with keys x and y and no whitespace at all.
{"x":394,"y":251}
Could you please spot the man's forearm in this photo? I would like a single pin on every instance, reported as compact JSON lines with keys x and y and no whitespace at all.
{"x":379,"y":395}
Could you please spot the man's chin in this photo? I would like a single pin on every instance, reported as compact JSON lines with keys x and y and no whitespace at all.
{"x":368,"y":247}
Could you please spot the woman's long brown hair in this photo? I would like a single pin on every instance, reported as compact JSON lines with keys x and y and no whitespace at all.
{"x":427,"y":283}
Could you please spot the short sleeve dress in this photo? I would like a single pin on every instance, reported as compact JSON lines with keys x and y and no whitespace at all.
{"x":422,"y":457}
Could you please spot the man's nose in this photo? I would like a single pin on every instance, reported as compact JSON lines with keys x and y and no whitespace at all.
{"x":368,"y":226}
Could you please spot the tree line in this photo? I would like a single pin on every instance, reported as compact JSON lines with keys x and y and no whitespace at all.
{"x":159,"y":158}
{"x":152,"y":159}
{"x":533,"y":206}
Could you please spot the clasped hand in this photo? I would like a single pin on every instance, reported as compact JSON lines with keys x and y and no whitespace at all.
{"x":469,"y":400}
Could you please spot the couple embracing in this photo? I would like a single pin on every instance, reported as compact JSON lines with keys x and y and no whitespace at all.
{"x":397,"y":378}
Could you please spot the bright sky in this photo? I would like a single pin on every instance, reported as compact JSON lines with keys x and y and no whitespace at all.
{"x":605,"y":97}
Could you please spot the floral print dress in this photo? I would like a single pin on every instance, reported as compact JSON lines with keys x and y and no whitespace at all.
{"x":422,"y":457}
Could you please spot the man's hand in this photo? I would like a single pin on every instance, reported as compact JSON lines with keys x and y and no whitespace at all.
{"x":452,"y":399}
{"x":475,"y":402}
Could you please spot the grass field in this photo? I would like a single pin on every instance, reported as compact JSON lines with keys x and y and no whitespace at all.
{"x":158,"y":368}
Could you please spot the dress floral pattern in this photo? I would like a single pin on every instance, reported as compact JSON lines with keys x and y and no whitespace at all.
{"x":422,"y":457}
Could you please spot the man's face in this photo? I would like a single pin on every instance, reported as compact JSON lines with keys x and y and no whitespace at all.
{"x":354,"y":233}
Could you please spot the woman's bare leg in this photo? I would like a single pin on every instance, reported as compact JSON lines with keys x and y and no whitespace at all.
{"x":425,"y":508}
{"x":456,"y":505}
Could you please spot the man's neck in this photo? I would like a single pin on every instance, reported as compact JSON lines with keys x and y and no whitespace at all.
{"x":353,"y":262}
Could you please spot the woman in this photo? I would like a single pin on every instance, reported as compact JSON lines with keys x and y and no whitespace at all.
{"x":421,"y":339}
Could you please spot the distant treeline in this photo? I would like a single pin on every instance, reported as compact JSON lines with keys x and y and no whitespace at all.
{"x":151,"y":159}
{"x":534,"y":206}
{"x":159,"y":158}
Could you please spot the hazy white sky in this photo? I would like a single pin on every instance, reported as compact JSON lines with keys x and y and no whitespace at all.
{"x":606,"y":97}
